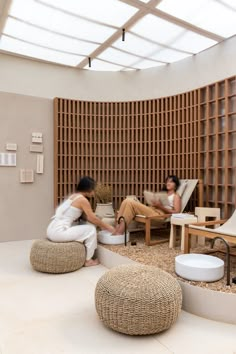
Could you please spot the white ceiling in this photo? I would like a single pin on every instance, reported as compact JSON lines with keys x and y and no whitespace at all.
{"x":113,"y":35}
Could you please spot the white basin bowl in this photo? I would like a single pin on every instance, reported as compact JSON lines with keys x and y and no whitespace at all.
{"x":199,"y":267}
{"x":107,"y":238}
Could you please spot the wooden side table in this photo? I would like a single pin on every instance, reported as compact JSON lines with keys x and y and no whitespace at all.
{"x":179,"y":221}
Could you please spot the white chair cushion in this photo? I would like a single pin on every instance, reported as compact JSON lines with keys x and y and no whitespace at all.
{"x":182,"y":187}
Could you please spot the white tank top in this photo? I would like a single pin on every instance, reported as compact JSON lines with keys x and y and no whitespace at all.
{"x":171,"y":200}
{"x":66,"y":213}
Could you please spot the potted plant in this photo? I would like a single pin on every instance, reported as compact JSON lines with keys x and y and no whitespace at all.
{"x":103,"y":200}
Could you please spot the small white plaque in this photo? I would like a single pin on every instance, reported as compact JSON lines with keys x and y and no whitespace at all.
{"x":37,"y":138}
{"x":26,"y":176}
{"x":7,"y":159}
{"x":39,"y":164}
{"x":36,"y":148}
{"x":11,"y":146}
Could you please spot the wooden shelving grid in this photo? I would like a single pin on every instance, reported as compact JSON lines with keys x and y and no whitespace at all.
{"x":133,"y":146}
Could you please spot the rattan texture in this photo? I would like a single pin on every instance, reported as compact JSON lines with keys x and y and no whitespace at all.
{"x":57,"y":257}
{"x":138,"y":299}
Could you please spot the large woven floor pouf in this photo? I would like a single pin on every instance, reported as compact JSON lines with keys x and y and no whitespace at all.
{"x":57,"y":257}
{"x":138,"y":299}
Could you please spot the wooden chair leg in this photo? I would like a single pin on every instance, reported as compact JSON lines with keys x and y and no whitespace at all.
{"x":148,"y":232}
{"x":182,"y":237}
{"x":186,"y":239}
{"x":172,"y":236}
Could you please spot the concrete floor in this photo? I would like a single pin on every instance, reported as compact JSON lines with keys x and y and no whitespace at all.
{"x":52,"y":314}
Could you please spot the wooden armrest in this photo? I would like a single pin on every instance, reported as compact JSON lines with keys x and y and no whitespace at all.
{"x":164,"y":216}
{"x":213,"y":222}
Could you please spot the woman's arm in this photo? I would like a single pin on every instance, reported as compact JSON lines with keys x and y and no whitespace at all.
{"x":176,"y":208}
{"x":83,"y":204}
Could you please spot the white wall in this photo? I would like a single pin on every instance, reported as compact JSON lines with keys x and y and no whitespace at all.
{"x":28,"y":77}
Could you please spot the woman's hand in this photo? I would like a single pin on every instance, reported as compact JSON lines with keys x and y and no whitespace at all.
{"x":110,"y":228}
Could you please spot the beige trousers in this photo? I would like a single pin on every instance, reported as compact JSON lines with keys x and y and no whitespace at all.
{"x":130,"y":208}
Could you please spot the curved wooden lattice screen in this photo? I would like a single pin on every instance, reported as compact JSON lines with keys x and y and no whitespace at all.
{"x":134,"y":145}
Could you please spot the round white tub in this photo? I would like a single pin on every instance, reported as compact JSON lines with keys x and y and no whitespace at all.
{"x":107,"y":238}
{"x":199,"y":267}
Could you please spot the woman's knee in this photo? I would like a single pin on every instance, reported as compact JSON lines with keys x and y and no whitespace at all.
{"x":128,"y":202}
{"x":91,"y":229}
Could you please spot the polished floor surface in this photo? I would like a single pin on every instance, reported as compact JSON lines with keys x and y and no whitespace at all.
{"x":53,"y":314}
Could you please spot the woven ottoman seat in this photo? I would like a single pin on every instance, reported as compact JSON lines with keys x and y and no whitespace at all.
{"x":138,"y":299}
{"x":57,"y":257}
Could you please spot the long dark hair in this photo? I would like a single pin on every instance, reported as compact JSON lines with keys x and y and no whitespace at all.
{"x":86,"y":184}
{"x":174,"y":179}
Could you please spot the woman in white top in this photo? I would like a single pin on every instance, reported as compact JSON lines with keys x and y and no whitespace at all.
{"x":130,"y":208}
{"x":61,"y":229}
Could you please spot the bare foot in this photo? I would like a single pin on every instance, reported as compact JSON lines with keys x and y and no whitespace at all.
{"x":119,"y":230}
{"x":91,"y":262}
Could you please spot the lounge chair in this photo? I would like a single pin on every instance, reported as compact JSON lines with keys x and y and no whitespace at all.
{"x":227,"y":231}
{"x":185,"y":190}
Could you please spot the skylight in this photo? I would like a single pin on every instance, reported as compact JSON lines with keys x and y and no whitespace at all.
{"x":215,"y":16}
{"x":114,"y":35}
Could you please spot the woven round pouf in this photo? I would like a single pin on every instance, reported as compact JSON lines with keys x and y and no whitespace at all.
{"x":57,"y":257}
{"x":138,"y":299}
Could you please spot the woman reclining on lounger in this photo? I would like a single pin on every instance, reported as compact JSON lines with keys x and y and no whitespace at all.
{"x":129,"y":208}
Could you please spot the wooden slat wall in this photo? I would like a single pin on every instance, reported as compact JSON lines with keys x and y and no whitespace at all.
{"x":134,"y":145}
{"x":217,"y":114}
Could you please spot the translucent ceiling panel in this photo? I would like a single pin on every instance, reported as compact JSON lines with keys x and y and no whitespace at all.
{"x":67,"y":31}
{"x":101,"y":65}
{"x":193,"y":42}
{"x":169,"y":55}
{"x":117,"y":57}
{"x":215,"y":16}
{"x":140,"y":47}
{"x":156,"y":29}
{"x":229,"y":3}
{"x":35,"y":35}
{"x":136,"y":45}
{"x":128,"y":61}
{"x":37,"y":13}
{"x":15,"y":46}
{"x":112,"y":12}
{"x":184,"y":9}
{"x":145,"y":64}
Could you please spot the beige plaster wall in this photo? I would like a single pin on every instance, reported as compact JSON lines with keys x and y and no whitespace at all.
{"x":25,"y":209}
